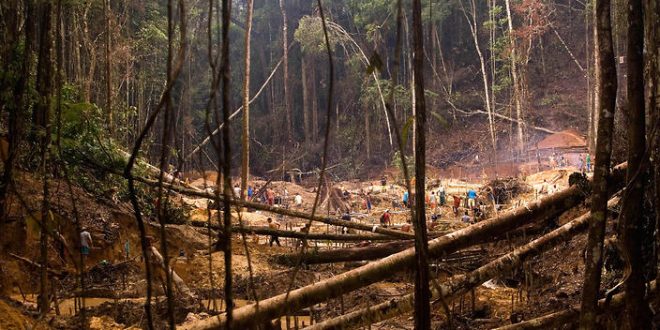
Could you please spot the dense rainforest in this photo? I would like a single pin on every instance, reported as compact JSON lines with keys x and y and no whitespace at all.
{"x":289,"y":164}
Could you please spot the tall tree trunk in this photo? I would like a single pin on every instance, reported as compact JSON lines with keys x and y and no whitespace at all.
{"x":315,"y":102}
{"x":484,"y":74}
{"x":108,"y":71}
{"x":287,"y":93}
{"x":305,"y":96}
{"x":226,"y":162}
{"x":367,"y":131}
{"x":422,"y":292}
{"x":44,"y":86}
{"x":516,"y":84}
{"x":652,"y":37}
{"x":245,"y":160}
{"x":638,"y":314}
{"x":606,"y":86}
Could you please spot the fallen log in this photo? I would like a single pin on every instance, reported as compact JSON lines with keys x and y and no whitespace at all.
{"x":261,"y":230}
{"x":38,"y":265}
{"x":461,"y":284}
{"x":274,"y":307}
{"x":278,"y":210}
{"x":363,"y":253}
{"x":343,"y":255}
{"x":570,"y":316}
{"x":157,"y":260}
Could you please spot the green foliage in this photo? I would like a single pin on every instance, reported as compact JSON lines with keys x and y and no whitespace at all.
{"x":311,"y":38}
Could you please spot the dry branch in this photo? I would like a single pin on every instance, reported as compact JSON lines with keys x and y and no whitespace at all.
{"x":247,"y":316}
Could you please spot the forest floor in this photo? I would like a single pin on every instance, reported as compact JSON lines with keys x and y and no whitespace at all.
{"x":115,"y":284}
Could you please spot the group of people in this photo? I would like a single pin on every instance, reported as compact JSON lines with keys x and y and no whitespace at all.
{"x":584,"y":162}
{"x":269,"y":197}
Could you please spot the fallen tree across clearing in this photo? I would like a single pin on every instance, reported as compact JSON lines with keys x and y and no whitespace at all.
{"x":461,"y":284}
{"x":274,"y":307}
{"x":260,"y":230}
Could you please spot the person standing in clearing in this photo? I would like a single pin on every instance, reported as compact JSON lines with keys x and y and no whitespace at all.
{"x":405,"y":198}
{"x":298,"y":200}
{"x":302,"y":243}
{"x":588,"y":163}
{"x":457,"y":204}
{"x":273,"y":238}
{"x":270,"y":197}
{"x":443,"y":195}
{"x":385,"y":219}
{"x":237,"y":191}
{"x":250,"y":192}
{"x":434,"y":201}
{"x":85,"y":242}
{"x":472,"y":198}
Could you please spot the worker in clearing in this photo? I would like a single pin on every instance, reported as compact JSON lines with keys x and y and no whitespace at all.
{"x":85,"y":242}
{"x":273,"y":238}
{"x":443,"y":195}
{"x":298,"y":200}
{"x":434,"y":201}
{"x":302,"y":243}
{"x":466,"y":217}
{"x":270,"y":197}
{"x":457,"y":204}
{"x":472,"y":198}
{"x":405,"y":198}
{"x":588,"y":163}
{"x":386,"y":218}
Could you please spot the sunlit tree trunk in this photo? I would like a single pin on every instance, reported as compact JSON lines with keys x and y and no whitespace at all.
{"x":305,"y":98}
{"x":285,"y":59}
{"x":516,"y":84}
{"x":484,"y":74}
{"x":606,"y":86}
{"x":108,"y":65}
{"x":245,"y":160}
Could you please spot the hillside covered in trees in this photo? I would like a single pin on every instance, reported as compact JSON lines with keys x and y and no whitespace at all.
{"x":388,"y":164}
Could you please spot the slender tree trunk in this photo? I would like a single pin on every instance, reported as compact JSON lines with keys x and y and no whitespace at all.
{"x":315,"y":102}
{"x":606,"y":86}
{"x":44,"y":86}
{"x":287,"y":93}
{"x":422,"y":292}
{"x":484,"y":74}
{"x":305,"y":96}
{"x":108,"y":71}
{"x":226,"y":162}
{"x":245,"y":160}
{"x":638,"y":314}
{"x":516,"y":84}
